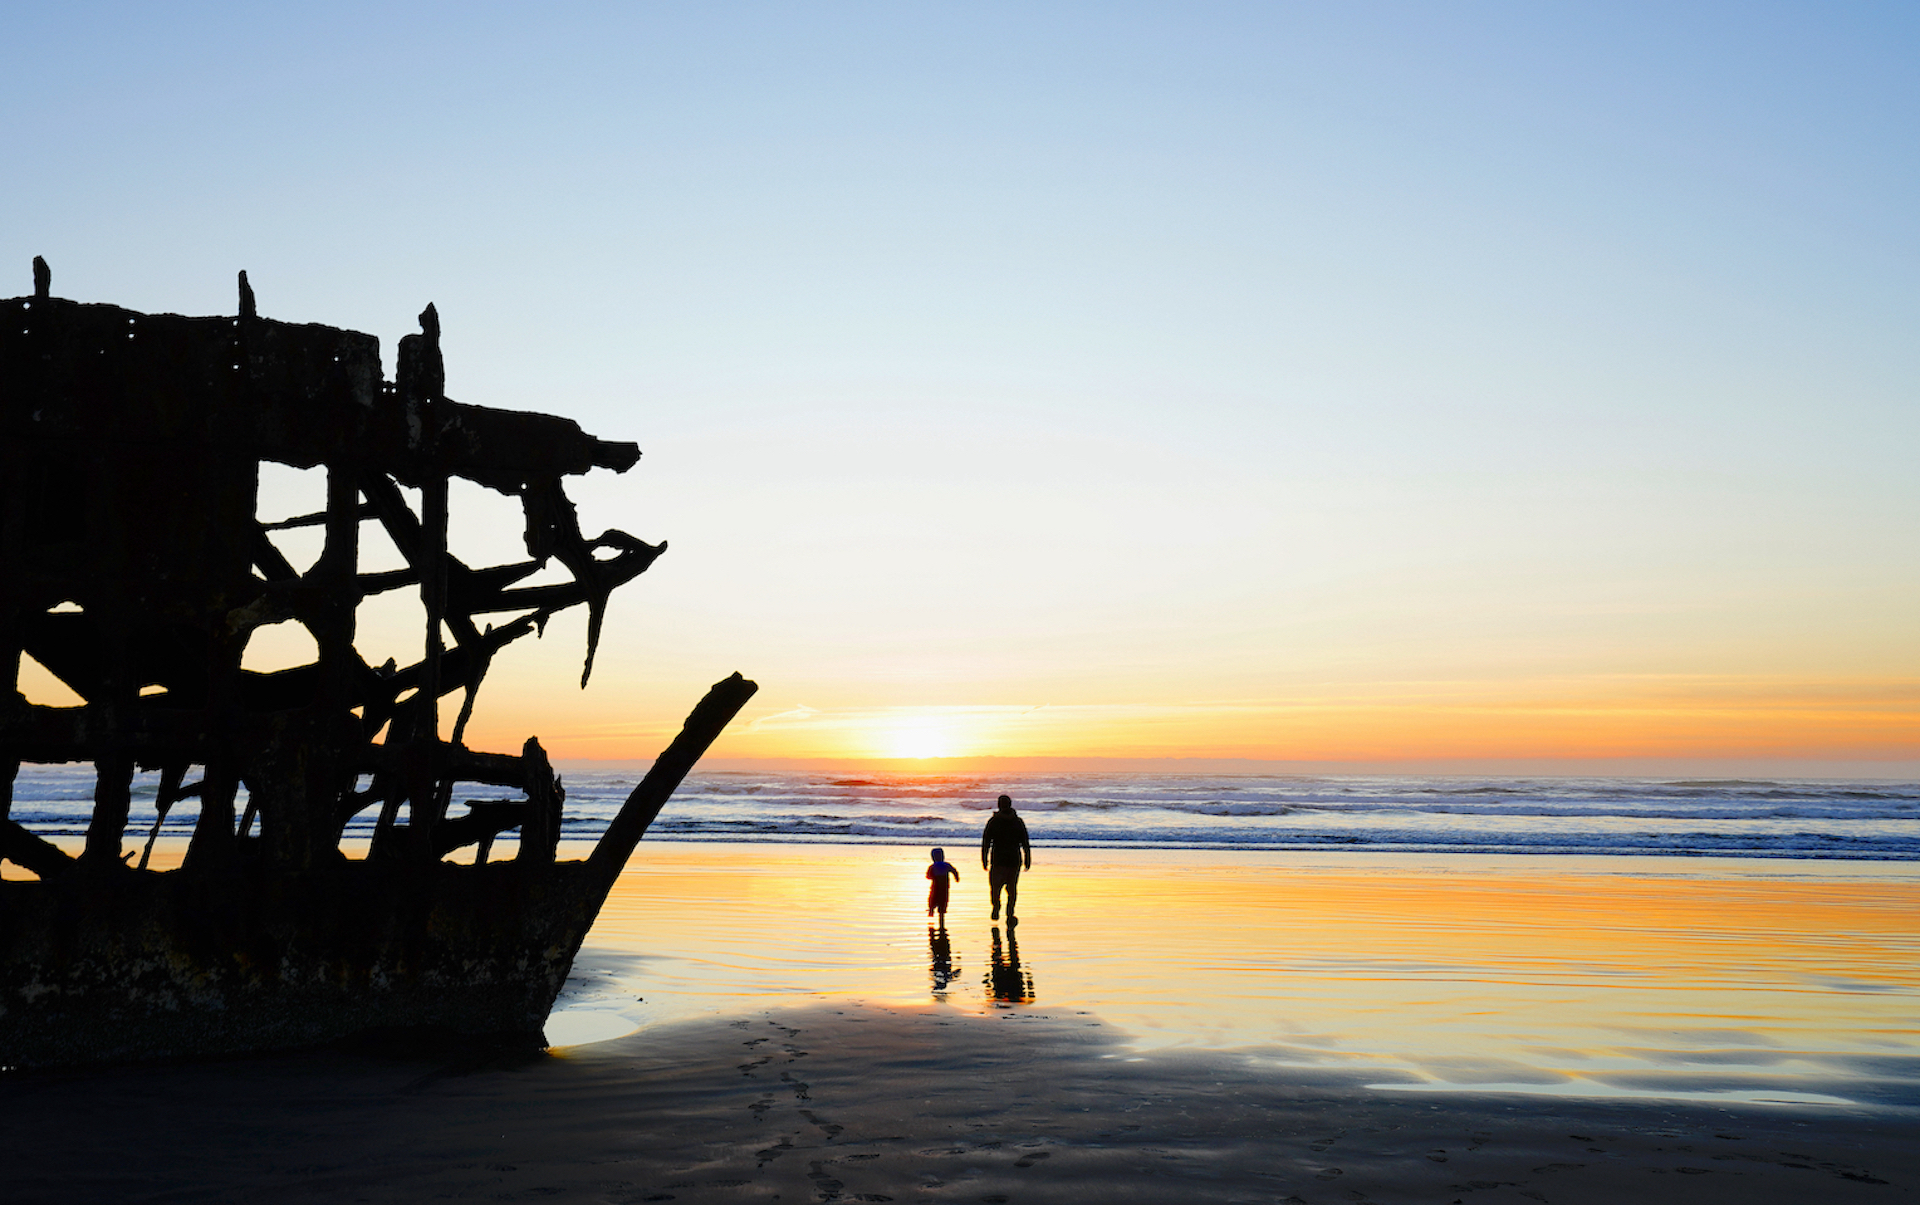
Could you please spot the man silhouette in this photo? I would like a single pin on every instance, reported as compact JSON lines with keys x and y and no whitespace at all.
{"x":1004,"y":852}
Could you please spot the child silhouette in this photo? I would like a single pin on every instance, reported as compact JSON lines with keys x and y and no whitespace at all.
{"x":939,"y":873}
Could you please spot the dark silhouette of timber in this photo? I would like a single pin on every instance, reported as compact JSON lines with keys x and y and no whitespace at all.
{"x":134,"y":569}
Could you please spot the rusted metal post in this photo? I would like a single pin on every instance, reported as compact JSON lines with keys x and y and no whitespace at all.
{"x":540,"y":833}
{"x":708,"y":719}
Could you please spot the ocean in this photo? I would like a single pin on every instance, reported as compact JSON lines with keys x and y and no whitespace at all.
{"x":1735,"y":942}
{"x":1743,"y":818}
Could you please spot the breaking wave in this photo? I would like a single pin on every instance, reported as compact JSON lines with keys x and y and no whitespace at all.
{"x":1750,"y":818}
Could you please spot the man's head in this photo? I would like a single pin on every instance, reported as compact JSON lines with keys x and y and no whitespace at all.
{"x":1006,"y":803}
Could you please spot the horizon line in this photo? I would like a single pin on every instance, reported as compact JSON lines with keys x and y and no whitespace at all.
{"x":1540,"y":767}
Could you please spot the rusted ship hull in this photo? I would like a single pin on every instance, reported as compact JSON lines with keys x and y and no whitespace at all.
{"x":109,"y":964}
{"x":170,"y":965}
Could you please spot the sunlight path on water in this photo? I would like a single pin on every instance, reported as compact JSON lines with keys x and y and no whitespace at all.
{"x":1761,"y":981}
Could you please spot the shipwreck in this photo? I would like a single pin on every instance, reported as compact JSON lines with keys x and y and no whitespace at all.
{"x":134,"y":568}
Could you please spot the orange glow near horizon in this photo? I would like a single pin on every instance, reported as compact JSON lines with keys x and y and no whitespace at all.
{"x":1624,"y":717}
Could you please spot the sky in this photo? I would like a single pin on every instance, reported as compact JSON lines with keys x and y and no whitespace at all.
{"x":1373,"y":384}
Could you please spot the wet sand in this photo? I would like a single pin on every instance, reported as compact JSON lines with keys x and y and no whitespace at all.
{"x":869,"y":1103}
{"x":1161,"y":1027}
{"x":1681,"y":978}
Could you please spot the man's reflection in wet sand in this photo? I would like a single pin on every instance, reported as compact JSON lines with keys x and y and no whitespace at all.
{"x":940,"y":964}
{"x":1007,"y":981}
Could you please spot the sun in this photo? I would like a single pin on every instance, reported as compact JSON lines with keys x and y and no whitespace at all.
{"x":920,"y":737}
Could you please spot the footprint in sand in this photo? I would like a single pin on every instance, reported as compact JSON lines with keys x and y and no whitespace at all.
{"x":828,"y":1187}
{"x":1030,"y":1160}
{"x":1329,"y":1173}
{"x":832,"y":1131}
{"x":775,"y":1151}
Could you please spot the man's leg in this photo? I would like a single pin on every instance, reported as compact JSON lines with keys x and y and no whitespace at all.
{"x":1013,"y":890}
{"x":994,"y":883}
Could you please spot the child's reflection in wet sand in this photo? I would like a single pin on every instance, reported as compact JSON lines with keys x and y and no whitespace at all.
{"x":1008,"y":981}
{"x":941,"y":966}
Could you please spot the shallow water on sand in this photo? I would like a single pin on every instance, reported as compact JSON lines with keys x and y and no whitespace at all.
{"x":1708,"y":978}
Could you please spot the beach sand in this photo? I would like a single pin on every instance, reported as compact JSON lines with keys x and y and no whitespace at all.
{"x":869,"y":1103}
{"x":1163,"y":1026}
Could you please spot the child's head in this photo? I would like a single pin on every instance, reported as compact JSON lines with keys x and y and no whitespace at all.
{"x":939,"y":855}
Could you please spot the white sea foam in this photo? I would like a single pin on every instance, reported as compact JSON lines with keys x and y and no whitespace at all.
{"x":1723,"y":818}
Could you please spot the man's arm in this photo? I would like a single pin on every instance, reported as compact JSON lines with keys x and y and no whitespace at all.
{"x":986,"y":842}
{"x":1026,"y":847}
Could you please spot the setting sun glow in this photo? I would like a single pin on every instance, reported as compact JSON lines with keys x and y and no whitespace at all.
{"x":1068,"y":382}
{"x":920,"y":737}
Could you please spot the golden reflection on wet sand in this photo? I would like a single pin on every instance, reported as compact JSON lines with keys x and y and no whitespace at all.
{"x":1761,"y":980}
{"x":1765,"y":980}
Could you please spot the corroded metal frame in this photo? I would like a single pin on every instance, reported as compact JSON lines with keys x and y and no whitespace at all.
{"x":133,"y":567}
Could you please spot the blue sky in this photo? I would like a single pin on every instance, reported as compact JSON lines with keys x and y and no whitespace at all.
{"x":1103,"y":356}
